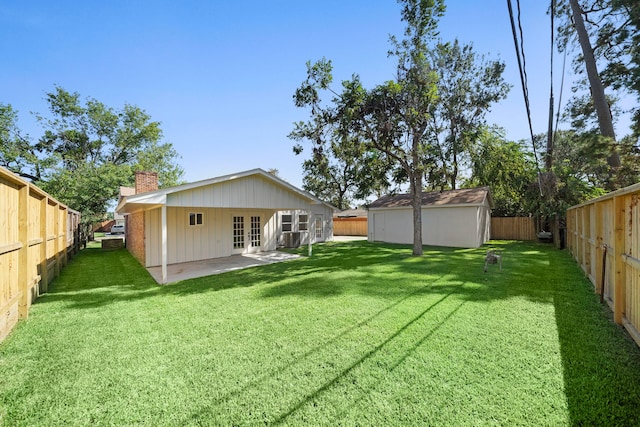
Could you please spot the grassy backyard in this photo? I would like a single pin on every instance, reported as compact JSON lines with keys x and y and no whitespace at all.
{"x":359,"y":334}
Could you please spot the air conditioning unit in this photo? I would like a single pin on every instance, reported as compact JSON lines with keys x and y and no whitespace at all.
{"x":292,"y":239}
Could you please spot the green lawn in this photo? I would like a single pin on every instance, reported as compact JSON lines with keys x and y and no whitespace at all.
{"x":358,"y":334}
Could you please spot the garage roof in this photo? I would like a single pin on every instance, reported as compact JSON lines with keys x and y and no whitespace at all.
{"x":465,"y":196}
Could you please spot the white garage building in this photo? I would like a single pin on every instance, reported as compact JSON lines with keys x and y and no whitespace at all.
{"x":457,"y":218}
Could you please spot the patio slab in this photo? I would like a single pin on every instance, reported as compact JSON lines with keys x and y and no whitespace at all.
{"x":208,"y":267}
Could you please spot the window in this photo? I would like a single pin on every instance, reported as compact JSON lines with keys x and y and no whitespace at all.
{"x":303,"y":222}
{"x":319,"y":226}
{"x":195,"y":218}
{"x":286,"y":222}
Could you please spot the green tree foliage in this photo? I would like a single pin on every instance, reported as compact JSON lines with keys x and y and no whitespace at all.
{"x":580,"y":172}
{"x":340,"y":168}
{"x":425,"y":122}
{"x":468,"y":85}
{"x":89,"y":150}
{"x":508,"y":168}
{"x":16,"y":152}
{"x":344,"y":172}
{"x":392,"y":118}
{"x":613,"y":29}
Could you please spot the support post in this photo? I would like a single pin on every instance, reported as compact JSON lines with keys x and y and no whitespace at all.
{"x":312,"y":231}
{"x":164,"y":243}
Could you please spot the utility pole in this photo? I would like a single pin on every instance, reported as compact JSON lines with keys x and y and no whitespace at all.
{"x":603,"y":112}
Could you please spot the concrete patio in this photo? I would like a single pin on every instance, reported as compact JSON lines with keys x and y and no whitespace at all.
{"x":208,"y":267}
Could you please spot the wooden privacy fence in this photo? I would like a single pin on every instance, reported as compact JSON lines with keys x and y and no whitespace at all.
{"x":513,"y":228}
{"x":604,"y":237}
{"x":350,"y":226}
{"x":37,"y":236}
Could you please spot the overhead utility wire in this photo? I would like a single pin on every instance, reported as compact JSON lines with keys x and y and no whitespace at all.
{"x":523,"y":81}
{"x":548,"y":158}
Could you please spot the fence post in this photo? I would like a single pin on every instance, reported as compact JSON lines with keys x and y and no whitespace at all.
{"x":618,"y":252}
{"x":56,"y":239}
{"x":44,"y":275}
{"x":23,"y":252}
{"x":599,"y":241}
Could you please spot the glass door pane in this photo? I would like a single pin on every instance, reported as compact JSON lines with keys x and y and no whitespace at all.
{"x":255,"y":235}
{"x":238,"y":232}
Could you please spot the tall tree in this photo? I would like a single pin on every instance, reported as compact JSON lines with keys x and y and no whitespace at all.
{"x":610,"y":29}
{"x":88,"y":150}
{"x":614,"y":28}
{"x":392,"y":118}
{"x":605,"y":120}
{"x":468,"y":84}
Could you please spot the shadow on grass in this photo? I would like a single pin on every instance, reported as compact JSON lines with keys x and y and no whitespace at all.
{"x":601,"y":364}
{"x":212,"y":405}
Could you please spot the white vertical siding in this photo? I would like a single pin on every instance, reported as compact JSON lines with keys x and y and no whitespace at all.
{"x":398,"y":226}
{"x":153,"y":237}
{"x":270,"y":230}
{"x":327,"y":224}
{"x":212,"y":239}
{"x":450,"y":226}
{"x":456,"y":226}
{"x":248,"y":193}
{"x":376,"y":226}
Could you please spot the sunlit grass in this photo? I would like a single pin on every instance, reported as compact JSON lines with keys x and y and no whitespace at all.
{"x":358,"y":334}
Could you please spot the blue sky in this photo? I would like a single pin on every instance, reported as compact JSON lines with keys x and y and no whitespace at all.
{"x":220,"y":75}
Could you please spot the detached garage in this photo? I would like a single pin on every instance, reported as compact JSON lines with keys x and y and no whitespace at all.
{"x":457,"y":218}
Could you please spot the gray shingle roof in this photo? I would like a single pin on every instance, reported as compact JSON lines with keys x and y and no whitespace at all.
{"x":465,"y":196}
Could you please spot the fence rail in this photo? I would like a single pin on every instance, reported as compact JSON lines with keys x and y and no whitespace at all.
{"x":350,"y":226}
{"x":603,"y":236}
{"x":513,"y":228}
{"x":38,"y":234}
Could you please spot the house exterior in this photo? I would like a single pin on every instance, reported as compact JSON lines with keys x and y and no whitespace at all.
{"x":218,"y":217}
{"x":296,"y":226}
{"x":456,"y":218}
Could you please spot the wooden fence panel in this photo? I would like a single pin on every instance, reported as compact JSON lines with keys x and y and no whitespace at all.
{"x":30,"y":244}
{"x":603,"y":235}
{"x":350,"y":226}
{"x":513,"y":228}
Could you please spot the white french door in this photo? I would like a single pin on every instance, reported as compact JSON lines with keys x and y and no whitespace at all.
{"x":247,"y":233}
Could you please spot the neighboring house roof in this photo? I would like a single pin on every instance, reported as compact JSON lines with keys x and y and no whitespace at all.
{"x":465,"y":196}
{"x":351,"y":213}
{"x":136,"y":202}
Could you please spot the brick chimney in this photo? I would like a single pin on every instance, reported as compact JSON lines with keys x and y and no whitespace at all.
{"x":146,"y":181}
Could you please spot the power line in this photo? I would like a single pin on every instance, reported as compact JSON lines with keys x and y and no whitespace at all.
{"x":548,"y":161}
{"x":523,"y":78}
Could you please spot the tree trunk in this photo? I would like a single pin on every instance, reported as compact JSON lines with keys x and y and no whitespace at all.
{"x":415,"y":178}
{"x":454,"y":174}
{"x":597,"y":90}
{"x":416,"y":202}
